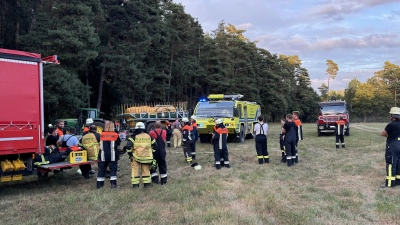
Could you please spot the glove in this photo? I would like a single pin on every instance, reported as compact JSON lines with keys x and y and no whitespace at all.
{"x":153,"y":166}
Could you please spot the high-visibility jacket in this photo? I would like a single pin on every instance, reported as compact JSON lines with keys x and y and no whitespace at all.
{"x":143,"y":147}
{"x":91,"y":145}
{"x":60,"y":133}
{"x":187,"y":133}
{"x":195,"y":131}
{"x":340,"y":127}
{"x":108,"y":146}
{"x":220,"y":137}
{"x":299,"y":129}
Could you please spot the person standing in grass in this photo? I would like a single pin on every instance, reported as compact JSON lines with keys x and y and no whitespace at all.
{"x":299,"y":137}
{"x":392,"y":154}
{"x":282,"y":142}
{"x":219,"y":141}
{"x":260,"y":130}
{"x":290,"y":131}
{"x":339,"y":131}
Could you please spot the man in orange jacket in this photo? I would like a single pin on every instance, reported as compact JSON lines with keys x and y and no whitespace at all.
{"x":339,"y":131}
{"x":296,"y":120}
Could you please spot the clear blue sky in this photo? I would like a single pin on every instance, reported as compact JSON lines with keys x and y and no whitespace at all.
{"x":358,"y":35}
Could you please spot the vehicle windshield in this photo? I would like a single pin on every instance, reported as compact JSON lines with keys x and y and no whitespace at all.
{"x":333,"y":109}
{"x":214,"y":109}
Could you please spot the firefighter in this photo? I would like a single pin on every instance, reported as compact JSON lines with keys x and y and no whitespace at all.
{"x":392,"y":154}
{"x":187,"y":139}
{"x":195,"y":134}
{"x":299,"y":137}
{"x":260,"y":130}
{"x":177,"y":133}
{"x":91,"y":143}
{"x":168,"y":128}
{"x":290,"y":131}
{"x":219,"y":141}
{"x":339,"y":131}
{"x":108,"y":156}
{"x":282,"y":142}
{"x":60,"y":128}
{"x":140,"y":148}
{"x":88,"y":122}
{"x":159,"y":155}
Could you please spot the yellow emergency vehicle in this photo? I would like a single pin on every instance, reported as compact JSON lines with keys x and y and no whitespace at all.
{"x":238,"y":116}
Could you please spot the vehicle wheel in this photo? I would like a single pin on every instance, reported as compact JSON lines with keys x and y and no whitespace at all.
{"x":150,"y":126}
{"x":203,"y":138}
{"x":99,"y":125}
{"x":319,"y":132}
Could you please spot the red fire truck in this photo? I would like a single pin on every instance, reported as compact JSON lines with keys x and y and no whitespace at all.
{"x":21,"y":114}
{"x":329,"y":113}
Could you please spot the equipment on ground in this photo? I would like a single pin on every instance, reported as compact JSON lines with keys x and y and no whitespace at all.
{"x":148,"y":114}
{"x":22,"y":115}
{"x":329,"y":113}
{"x":238,"y":116}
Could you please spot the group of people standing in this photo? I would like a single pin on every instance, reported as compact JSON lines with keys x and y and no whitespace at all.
{"x":291,"y":133}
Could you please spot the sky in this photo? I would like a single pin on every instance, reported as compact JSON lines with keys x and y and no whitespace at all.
{"x":358,"y":35}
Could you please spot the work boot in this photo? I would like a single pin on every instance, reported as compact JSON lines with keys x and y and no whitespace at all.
{"x":218,"y":166}
{"x":343,"y":146}
{"x":100,"y":184}
{"x":296,"y":160}
{"x":163,"y":180}
{"x":154,"y":179}
{"x":289,"y":162}
{"x":228,"y":165}
{"x":114,"y":184}
{"x":266,"y":160}
{"x":169,"y":145}
{"x":283,"y":159}
{"x":92,"y":172}
{"x":260,"y":161}
{"x":147,"y":185}
{"x":222,"y":162}
{"x":194,"y":157}
{"x":135,"y":185}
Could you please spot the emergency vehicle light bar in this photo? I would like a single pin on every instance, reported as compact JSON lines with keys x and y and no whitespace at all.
{"x":222,"y":96}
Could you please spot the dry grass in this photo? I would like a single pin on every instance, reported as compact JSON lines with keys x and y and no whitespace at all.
{"x":328,"y":186}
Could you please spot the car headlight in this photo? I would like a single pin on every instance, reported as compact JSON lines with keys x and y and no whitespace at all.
{"x":321,"y":127}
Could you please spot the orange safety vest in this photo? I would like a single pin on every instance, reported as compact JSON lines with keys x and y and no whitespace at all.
{"x":59,"y":132}
{"x":340,"y":123}
{"x":297,"y":122}
{"x":221,"y":130}
{"x":108,"y":136}
{"x":85,"y":129}
{"x":194,"y":125}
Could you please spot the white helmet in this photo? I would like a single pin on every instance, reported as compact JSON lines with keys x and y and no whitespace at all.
{"x":50,"y":125}
{"x":139,"y":125}
{"x":394,"y":110}
{"x":193,"y":117}
{"x":218,"y":121}
{"x":89,"y":121}
{"x":185,"y":119}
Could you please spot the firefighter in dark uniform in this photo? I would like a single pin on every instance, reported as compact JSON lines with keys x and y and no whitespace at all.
{"x":168,"y":128}
{"x":50,"y":155}
{"x":392,"y":154}
{"x":91,"y":143}
{"x":195,"y":135}
{"x":299,"y":137}
{"x":160,"y":154}
{"x":140,"y":148}
{"x":109,"y":156}
{"x":339,"y":131}
{"x":187,"y":139}
{"x":290,"y":131}
{"x":261,"y":130}
{"x":219,"y":141}
{"x":282,"y":142}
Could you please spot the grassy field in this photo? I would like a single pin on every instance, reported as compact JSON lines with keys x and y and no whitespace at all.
{"x":328,"y":186}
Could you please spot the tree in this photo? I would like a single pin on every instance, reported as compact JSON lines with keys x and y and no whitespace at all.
{"x":349,"y":93}
{"x":331,"y":70}
{"x":391,"y":76}
{"x":324,"y":92}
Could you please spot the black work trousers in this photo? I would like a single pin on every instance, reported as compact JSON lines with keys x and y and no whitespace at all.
{"x":290,"y":149}
{"x":221,"y":154}
{"x":103,"y":168}
{"x":261,"y":145}
{"x":160,"y":156}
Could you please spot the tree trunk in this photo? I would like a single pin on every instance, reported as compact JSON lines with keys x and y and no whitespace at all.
{"x":365,"y":117}
{"x":100,"y":96}
{"x":87,"y":84}
{"x":327,"y":93}
{"x":170,"y":77}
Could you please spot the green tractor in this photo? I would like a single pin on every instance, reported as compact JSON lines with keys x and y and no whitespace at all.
{"x":79,"y":122}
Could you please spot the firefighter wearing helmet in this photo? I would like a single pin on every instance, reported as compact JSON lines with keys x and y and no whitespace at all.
{"x":187,"y":139}
{"x":140,"y":148}
{"x":392,"y":154}
{"x":219,"y":141}
{"x":195,"y":134}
